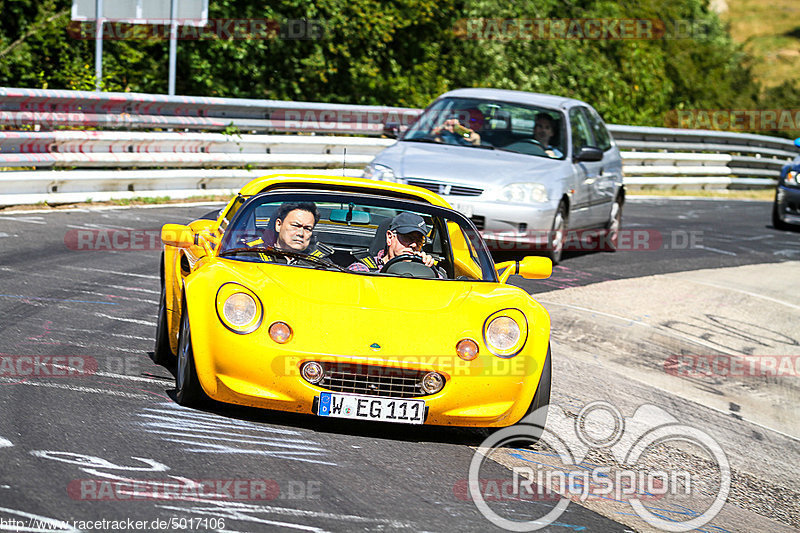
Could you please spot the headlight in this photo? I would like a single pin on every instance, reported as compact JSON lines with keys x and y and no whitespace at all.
{"x":238,"y":308}
{"x":791,"y":178}
{"x":505,"y":332}
{"x":378,"y":172}
{"x":523,"y":193}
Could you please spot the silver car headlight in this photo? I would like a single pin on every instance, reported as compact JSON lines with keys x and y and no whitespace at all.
{"x":379,"y":172}
{"x":523,"y":193}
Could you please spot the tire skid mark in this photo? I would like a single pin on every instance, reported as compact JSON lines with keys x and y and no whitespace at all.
{"x":231,"y":437}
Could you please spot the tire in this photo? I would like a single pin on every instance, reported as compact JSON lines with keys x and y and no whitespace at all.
{"x":188,"y":391}
{"x":162,"y":352}
{"x":613,"y":226}
{"x":542,"y":396}
{"x":536,"y":423}
{"x":777,"y":223}
{"x":555,"y":246}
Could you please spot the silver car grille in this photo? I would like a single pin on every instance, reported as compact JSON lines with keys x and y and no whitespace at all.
{"x":446,"y":189}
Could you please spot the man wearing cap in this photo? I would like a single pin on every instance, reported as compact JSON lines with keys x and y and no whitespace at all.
{"x":406,"y":235}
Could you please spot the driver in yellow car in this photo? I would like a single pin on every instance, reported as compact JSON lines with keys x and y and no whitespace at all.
{"x":293,"y":228}
{"x":405,"y":236}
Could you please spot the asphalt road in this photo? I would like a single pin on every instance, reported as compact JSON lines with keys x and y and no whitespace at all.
{"x":67,"y":441}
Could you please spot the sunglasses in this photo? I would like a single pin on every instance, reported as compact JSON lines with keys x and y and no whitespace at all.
{"x":407,"y":239}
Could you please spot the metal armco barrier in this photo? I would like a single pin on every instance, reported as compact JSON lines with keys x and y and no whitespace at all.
{"x":182,"y":156}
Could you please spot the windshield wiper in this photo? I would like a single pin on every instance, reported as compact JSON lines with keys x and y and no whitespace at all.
{"x":285,"y":253}
{"x":422,"y":140}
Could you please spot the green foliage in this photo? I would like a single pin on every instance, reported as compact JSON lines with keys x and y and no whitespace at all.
{"x":405,"y":53}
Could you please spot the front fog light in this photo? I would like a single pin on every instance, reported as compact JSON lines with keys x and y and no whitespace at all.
{"x":432,"y":382}
{"x":312,"y":372}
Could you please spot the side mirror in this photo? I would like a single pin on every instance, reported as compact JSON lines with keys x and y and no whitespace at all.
{"x":530,"y":267}
{"x":391,"y":130}
{"x":588,"y":154}
{"x":177,"y":235}
{"x":797,"y":142}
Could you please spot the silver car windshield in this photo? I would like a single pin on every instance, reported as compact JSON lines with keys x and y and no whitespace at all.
{"x":488,"y":124}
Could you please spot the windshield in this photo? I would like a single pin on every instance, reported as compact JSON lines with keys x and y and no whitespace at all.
{"x":353,"y":233}
{"x":488,"y":124}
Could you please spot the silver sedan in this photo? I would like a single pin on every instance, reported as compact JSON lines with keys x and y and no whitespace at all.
{"x":532,"y":171}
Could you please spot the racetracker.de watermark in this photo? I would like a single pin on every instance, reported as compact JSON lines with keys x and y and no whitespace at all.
{"x":47,"y":366}
{"x":213,"y":30}
{"x":568,"y":29}
{"x":631,"y":240}
{"x":733,"y":366}
{"x":557,"y":471}
{"x":192,"y":490}
{"x":734,"y":119}
{"x":118,"y":240}
{"x":452,"y":365}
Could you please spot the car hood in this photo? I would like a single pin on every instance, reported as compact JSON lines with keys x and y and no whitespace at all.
{"x":459,"y":164}
{"x":345,"y":313}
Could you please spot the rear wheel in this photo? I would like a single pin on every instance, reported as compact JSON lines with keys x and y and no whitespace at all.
{"x":557,"y":234}
{"x":187,"y":387}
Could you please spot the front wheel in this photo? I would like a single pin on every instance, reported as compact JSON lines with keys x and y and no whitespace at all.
{"x":777,"y":223}
{"x":612,"y":228}
{"x":187,"y":387}
{"x":557,"y":234}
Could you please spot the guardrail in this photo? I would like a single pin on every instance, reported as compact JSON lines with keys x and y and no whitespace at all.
{"x":193,"y":161}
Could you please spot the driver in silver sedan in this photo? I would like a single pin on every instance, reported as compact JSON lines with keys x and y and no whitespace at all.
{"x":405,"y":236}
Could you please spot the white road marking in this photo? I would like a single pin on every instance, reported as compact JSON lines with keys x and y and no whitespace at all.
{"x":75,"y":388}
{"x":115,"y":272}
{"x":213,"y":421}
{"x":753,"y":294}
{"x":100,"y":227}
{"x":207,"y":447}
{"x":82,"y":282}
{"x":5,"y":443}
{"x":46,"y":524}
{"x":101,"y":332}
{"x":131,"y":320}
{"x":29,"y":220}
{"x":717,"y":250}
{"x":242,"y":507}
{"x":278,"y":443}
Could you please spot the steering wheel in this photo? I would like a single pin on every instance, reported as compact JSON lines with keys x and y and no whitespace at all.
{"x":414,"y":270}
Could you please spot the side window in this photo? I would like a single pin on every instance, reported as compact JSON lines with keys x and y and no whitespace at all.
{"x":581,"y":133}
{"x":601,"y":135}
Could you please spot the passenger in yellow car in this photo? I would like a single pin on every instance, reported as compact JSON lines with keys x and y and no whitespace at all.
{"x":293,"y":229}
{"x":406,"y":235}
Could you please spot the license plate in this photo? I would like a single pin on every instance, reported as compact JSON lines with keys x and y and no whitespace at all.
{"x":360,"y":407}
{"x":464,"y":209}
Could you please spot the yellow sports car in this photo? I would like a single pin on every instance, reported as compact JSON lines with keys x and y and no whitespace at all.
{"x":351,"y":298}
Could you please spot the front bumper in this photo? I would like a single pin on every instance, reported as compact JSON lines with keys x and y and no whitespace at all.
{"x":508,"y":226}
{"x":787,"y":200}
{"x":254,"y":371}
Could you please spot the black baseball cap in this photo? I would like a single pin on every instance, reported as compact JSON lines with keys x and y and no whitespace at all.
{"x":407,"y":222}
